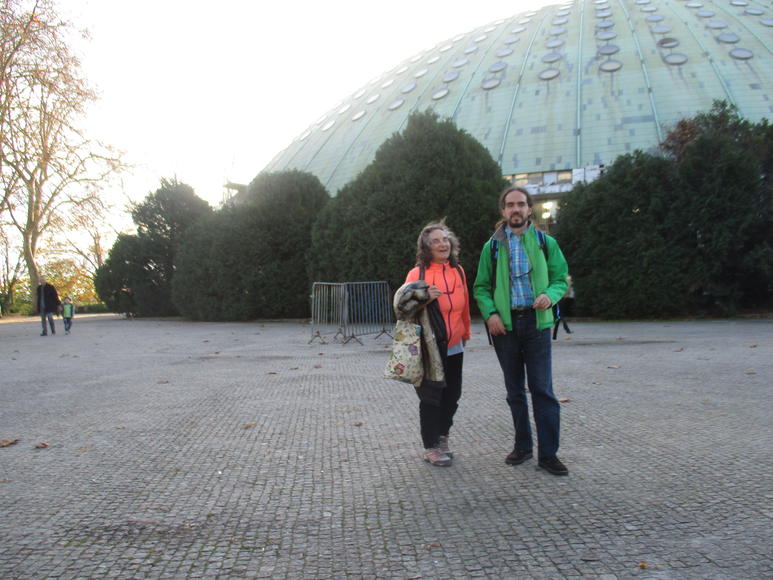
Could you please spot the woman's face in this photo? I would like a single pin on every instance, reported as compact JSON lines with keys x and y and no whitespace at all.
{"x":439,"y":246}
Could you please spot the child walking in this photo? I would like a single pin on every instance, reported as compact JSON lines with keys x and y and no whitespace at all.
{"x":68,"y":311}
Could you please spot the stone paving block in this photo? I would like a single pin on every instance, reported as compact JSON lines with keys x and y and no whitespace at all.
{"x":214,"y":450}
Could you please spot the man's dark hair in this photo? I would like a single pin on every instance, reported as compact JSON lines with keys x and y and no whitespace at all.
{"x":510,"y":190}
{"x":504,"y":195}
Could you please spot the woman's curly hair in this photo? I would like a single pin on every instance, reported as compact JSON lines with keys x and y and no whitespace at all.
{"x":423,"y":249}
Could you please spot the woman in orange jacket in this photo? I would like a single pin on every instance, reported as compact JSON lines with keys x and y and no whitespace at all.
{"x":437,"y":262}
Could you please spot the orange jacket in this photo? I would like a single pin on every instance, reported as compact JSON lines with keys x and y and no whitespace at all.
{"x":454,"y":303}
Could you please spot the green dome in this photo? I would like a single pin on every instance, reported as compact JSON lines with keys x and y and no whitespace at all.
{"x":563,"y":88}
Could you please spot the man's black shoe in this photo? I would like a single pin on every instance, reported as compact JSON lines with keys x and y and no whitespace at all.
{"x":517,"y":457}
{"x":553,"y":465}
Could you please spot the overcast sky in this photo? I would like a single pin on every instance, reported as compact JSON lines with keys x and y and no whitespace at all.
{"x":211,"y":91}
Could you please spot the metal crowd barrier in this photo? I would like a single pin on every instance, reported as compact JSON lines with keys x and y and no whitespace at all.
{"x":349,"y":310}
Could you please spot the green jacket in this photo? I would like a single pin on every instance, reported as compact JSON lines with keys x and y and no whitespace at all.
{"x":546,"y":276}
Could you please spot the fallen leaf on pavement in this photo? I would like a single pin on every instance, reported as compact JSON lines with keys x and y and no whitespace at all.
{"x":8,"y":442}
{"x":272,"y":372}
{"x":564,"y":400}
{"x":679,"y":349}
{"x":317,"y":366}
{"x":752,"y":346}
{"x":41,"y":445}
{"x":162,"y":382}
{"x":359,"y":423}
{"x":643,"y":565}
{"x":249,"y":425}
{"x":613,"y":367}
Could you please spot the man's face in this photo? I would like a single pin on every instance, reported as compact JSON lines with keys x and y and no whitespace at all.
{"x":516,"y":211}
{"x":42,"y":280}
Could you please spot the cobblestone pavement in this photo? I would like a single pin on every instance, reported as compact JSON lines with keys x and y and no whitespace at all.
{"x":196,"y":450}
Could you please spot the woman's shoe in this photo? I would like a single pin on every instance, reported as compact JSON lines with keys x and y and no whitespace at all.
{"x":436,"y":457}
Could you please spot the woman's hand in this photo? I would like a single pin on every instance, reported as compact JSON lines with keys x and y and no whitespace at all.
{"x":434,"y":293}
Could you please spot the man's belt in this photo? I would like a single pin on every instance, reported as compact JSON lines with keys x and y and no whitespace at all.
{"x":521,"y":312}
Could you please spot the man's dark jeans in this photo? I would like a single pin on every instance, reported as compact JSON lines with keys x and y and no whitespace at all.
{"x":525,"y":352}
{"x":50,"y":317}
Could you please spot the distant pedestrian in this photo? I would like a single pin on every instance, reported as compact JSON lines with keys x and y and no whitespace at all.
{"x":48,"y":304}
{"x":564,"y":310}
{"x":68,"y":312}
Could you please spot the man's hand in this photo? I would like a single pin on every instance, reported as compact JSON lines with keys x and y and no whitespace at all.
{"x":542,"y":302}
{"x":495,"y":325}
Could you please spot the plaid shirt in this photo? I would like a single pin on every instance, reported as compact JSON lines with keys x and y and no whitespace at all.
{"x":521,"y":294}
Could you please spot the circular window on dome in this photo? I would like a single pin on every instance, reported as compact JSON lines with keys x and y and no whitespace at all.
{"x":606,"y":34}
{"x":608,"y":49}
{"x":648,"y":9}
{"x":401,"y":70}
{"x":489,"y":84}
{"x":408,"y":88}
{"x":716,"y":24}
{"x":359,"y":93}
{"x":446,"y":47}
{"x":512,"y":39}
{"x":694,"y":5}
{"x":554,"y":43}
{"x":549,"y":74}
{"x":490,"y":29}
{"x":518,"y":29}
{"x":728,"y":37}
{"x":611,"y":65}
{"x":433,"y":60}
{"x":655,"y":18}
{"x":416,"y":58}
{"x":459,"y":63}
{"x":754,"y":11}
{"x":661,"y":29}
{"x":329,"y":124}
{"x":458,"y":38}
{"x":451,"y":76}
{"x":551,"y":57}
{"x":675,"y":58}
{"x":739,"y":3}
{"x":480,"y":38}
{"x":601,"y":5}
{"x":705,"y":13}
{"x":372,"y":99}
{"x":470,"y":49}
{"x":557,"y":31}
{"x":563,"y":13}
{"x":388,"y":83}
{"x":345,"y":108}
{"x":420,"y":73}
{"x":503,"y":52}
{"x":741,"y":53}
{"x":498,"y":67}
{"x":604,"y":24}
{"x":767,"y":21}
{"x":358,"y":115}
{"x":668,"y":43}
{"x":396,"y":104}
{"x":437,"y":95}
{"x":560,"y":21}
{"x":604,"y":14}
{"x":524,"y":21}
{"x":642,"y":2}
{"x":304,"y":136}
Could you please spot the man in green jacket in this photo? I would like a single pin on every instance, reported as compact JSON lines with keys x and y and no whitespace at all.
{"x":516,"y":302}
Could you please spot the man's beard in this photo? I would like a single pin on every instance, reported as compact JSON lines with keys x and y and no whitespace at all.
{"x":513,"y":224}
